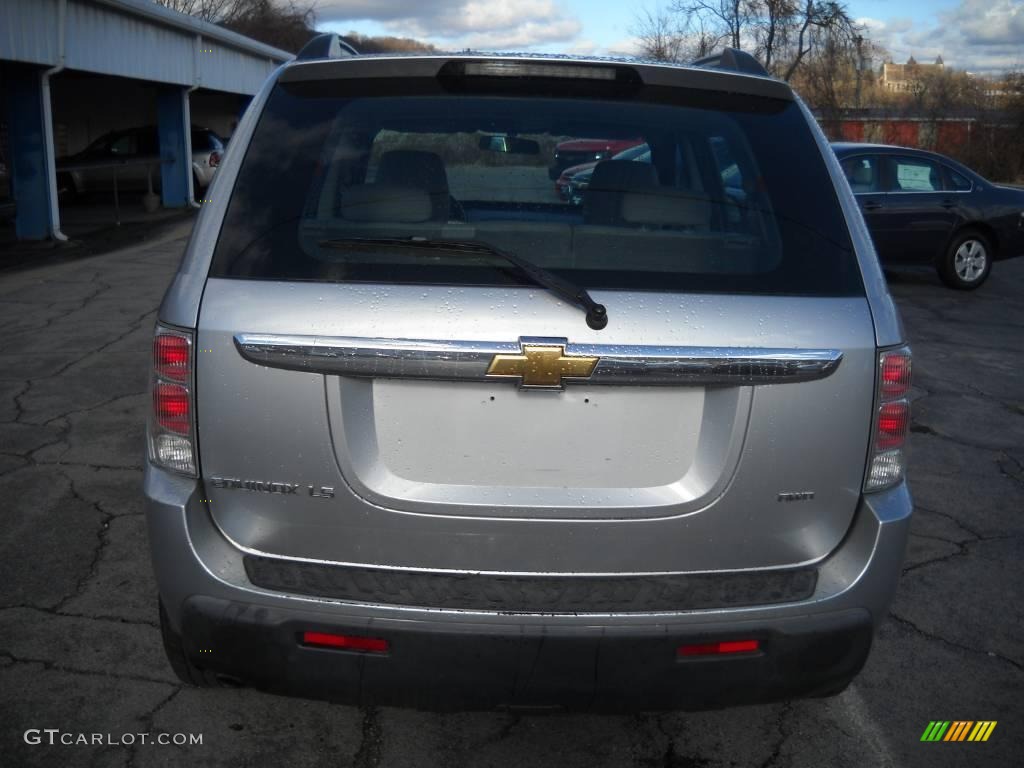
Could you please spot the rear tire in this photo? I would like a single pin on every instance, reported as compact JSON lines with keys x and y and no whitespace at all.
{"x":186,"y":671}
{"x":967,"y":262}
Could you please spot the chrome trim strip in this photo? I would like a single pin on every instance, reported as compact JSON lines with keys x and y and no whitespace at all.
{"x":469,"y":360}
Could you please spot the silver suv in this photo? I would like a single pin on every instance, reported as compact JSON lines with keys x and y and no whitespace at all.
{"x":425,"y":434}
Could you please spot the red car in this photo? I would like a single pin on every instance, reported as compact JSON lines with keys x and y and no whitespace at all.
{"x":582,"y":151}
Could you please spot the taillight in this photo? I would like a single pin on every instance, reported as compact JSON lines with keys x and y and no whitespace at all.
{"x":895,"y":367}
{"x":719,"y":649}
{"x":892,"y":421}
{"x":214,"y":160}
{"x":346,"y":642}
{"x":171,"y":357}
{"x":172,"y":412}
{"x":171,"y":407}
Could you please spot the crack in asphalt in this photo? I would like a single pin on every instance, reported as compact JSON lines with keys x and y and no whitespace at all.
{"x":56,"y":666}
{"x":96,"y":407}
{"x":963,"y":548}
{"x":908,"y":624}
{"x":780,"y":725}
{"x":147,"y":720}
{"x":102,"y":542}
{"x":86,"y":616}
{"x":951,"y":517}
{"x":369,"y":752}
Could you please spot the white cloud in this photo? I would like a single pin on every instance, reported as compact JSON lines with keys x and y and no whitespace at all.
{"x":985,"y":36}
{"x":484,"y":24}
{"x":626,"y":46}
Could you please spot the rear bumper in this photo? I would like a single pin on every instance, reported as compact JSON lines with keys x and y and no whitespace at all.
{"x":464,"y":659}
{"x":467,"y":666}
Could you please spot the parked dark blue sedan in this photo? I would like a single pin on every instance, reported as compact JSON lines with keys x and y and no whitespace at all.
{"x":922,"y":207}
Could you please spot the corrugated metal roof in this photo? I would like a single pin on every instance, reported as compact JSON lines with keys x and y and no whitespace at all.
{"x":160,"y":14}
{"x":136,"y":39}
{"x":28,"y":32}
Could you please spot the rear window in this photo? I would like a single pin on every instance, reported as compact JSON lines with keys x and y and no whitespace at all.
{"x":914,"y":175}
{"x":677,"y":190}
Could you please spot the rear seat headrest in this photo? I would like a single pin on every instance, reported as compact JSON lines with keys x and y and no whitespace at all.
{"x":413,"y":168}
{"x":664,"y":208}
{"x":623,"y":175}
{"x":419,"y":169}
{"x":610,"y":180}
{"x":385,"y":202}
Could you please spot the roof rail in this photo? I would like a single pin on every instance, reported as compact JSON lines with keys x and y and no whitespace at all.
{"x":731,"y":58}
{"x":326,"y":46}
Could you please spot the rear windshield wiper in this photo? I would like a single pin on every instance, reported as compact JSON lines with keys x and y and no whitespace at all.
{"x":597,"y":314}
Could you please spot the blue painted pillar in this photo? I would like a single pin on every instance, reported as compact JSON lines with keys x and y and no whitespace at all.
{"x":30,"y":178}
{"x":175,"y":146}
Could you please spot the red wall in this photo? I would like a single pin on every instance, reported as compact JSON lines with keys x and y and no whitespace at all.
{"x":949,"y":135}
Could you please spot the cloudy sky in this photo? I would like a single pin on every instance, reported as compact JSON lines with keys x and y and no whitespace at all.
{"x":978,"y":35}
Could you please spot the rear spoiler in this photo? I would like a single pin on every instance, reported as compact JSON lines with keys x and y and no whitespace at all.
{"x":721,"y":77}
{"x":732,"y":59}
{"x":327,"y":46}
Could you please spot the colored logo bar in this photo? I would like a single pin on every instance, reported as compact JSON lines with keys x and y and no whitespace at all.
{"x":958,"y":730}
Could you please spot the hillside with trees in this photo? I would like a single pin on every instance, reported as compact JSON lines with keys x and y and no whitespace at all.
{"x":287,"y":25}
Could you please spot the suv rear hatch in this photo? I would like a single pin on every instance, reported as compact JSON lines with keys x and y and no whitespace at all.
{"x":362,"y":401}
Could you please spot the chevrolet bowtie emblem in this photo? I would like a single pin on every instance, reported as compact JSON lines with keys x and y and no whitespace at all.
{"x":542,"y":366}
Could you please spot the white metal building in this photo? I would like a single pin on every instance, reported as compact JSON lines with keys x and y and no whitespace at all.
{"x":105,"y":64}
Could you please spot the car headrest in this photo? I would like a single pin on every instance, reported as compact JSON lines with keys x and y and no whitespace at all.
{"x":623,"y":175}
{"x":421,"y":170}
{"x":862,"y":176}
{"x":610,"y":179}
{"x":664,"y":209}
{"x":385,"y":202}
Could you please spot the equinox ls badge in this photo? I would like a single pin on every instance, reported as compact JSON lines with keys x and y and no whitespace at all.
{"x":232,"y":483}
{"x":542,"y":366}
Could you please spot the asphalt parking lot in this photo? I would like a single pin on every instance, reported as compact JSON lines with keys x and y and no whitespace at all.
{"x":80,"y":646}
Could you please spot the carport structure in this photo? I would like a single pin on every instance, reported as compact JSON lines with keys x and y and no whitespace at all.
{"x":170,"y":54}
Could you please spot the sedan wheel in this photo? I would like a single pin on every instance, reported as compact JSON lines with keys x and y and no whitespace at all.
{"x":967,"y":262}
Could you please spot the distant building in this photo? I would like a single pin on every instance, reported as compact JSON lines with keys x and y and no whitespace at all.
{"x":904,"y":77}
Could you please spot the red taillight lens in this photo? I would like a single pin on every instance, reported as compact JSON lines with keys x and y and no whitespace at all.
{"x":895,"y":374}
{"x":169,"y":432}
{"x":886,"y":464}
{"x":214,"y":159}
{"x":171,"y":357}
{"x":893,"y":422}
{"x":171,"y":407}
{"x":719,"y":649}
{"x":345,"y":642}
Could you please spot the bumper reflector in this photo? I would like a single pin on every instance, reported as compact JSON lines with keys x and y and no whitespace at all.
{"x":718,"y":649}
{"x":345,"y":642}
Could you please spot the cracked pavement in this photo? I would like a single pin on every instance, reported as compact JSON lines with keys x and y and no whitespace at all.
{"x":80,"y":645}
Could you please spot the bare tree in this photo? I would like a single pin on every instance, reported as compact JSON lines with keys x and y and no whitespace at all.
{"x":772,"y":30}
{"x":827,"y":78}
{"x":782,"y":34}
{"x":665,"y":36}
{"x":660,"y":37}
{"x":728,"y":17}
{"x":215,"y":11}
{"x":829,"y":20}
{"x":286,"y":24}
